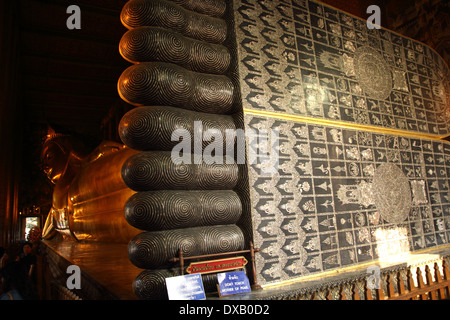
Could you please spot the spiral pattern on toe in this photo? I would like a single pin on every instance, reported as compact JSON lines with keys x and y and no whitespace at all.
{"x":158,"y":83}
{"x":220,"y":207}
{"x":151,"y":284}
{"x":209,"y":58}
{"x":154,"y":44}
{"x":162,"y":210}
{"x":213,"y":8}
{"x":157,"y":44}
{"x":153,"y":250}
{"x":224,"y":238}
{"x":151,"y":128}
{"x":171,"y":209}
{"x":155,"y":83}
{"x":212,"y":90}
{"x":212,"y":175}
{"x":155,"y":170}
{"x":166,"y":14}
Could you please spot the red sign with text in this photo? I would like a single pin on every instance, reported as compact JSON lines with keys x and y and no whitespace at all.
{"x":219,"y":265}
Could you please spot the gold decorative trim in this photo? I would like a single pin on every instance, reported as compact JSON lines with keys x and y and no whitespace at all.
{"x":341,"y":124}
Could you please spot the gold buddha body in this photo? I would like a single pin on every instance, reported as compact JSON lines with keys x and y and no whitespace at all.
{"x":89,"y":193}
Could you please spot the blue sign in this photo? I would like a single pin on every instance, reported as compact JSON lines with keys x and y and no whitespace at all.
{"x":187,"y":287}
{"x":233,"y":283}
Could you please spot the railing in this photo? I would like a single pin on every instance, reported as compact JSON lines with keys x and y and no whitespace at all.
{"x":436,"y":288}
{"x":403,"y":284}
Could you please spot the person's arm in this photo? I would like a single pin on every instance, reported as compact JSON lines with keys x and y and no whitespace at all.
{"x":30,"y":272}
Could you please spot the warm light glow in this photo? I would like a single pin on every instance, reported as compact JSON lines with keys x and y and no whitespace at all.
{"x":56,"y":177}
{"x":392,"y":241}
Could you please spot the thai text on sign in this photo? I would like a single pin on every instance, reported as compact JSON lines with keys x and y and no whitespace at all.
{"x":218,"y":265}
{"x":185,"y":287}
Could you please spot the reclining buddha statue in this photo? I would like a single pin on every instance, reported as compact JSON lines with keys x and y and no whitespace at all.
{"x":89,"y":193}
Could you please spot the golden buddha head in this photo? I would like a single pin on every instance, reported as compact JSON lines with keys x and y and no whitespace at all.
{"x":57,"y":151}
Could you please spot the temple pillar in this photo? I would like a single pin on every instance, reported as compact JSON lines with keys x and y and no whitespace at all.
{"x":10,"y":121}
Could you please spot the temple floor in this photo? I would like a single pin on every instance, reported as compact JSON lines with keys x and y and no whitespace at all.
{"x":106,"y":270}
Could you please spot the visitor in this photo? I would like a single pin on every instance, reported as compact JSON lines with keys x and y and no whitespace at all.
{"x":16,"y":283}
{"x":27,"y":258}
{"x":3,"y":257}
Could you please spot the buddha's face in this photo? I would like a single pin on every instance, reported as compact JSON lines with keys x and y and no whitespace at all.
{"x":54,"y":161}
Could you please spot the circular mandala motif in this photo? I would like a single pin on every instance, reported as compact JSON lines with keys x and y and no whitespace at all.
{"x":392,"y":193}
{"x":373,"y":73}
